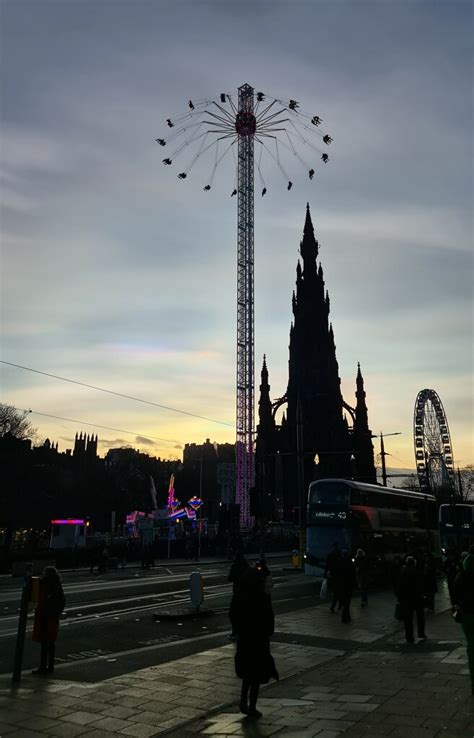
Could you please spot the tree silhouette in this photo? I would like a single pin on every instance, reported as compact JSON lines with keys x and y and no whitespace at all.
{"x":16,"y":422}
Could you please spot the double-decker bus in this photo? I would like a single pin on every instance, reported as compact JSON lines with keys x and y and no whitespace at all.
{"x":383,"y":521}
{"x":456,"y":526}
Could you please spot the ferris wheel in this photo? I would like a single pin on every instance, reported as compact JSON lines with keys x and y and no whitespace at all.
{"x":433,"y":448}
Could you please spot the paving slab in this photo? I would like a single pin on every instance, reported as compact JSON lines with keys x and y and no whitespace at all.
{"x":337,"y":679}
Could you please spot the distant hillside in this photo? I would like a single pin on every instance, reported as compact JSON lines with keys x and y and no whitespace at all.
{"x":396,"y":477}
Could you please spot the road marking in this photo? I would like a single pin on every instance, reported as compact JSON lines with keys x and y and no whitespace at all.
{"x":144,"y":649}
{"x":113,"y":613}
{"x":104,"y":584}
{"x":126,"y":611}
{"x":105,"y":603}
{"x":82,"y":655}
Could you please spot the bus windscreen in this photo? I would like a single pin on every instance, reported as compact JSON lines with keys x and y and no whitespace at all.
{"x":329,"y":493}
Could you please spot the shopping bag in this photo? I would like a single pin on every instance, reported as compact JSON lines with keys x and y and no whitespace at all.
{"x":323,"y":593}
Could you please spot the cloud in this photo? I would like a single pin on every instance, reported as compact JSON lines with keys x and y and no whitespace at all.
{"x":114,"y":443}
{"x":117,"y":274}
{"x":144,"y":441}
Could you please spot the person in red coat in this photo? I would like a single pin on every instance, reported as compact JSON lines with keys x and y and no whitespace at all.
{"x":46,"y":624}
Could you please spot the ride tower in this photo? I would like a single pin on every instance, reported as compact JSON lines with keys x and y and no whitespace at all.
{"x":277,"y":126}
{"x":245,"y":126}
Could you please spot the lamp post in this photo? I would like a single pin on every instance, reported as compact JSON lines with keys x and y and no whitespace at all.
{"x":196,"y":504}
{"x":300,"y":470}
{"x":452,"y":501}
{"x":384,"y":453}
{"x":199,"y":511}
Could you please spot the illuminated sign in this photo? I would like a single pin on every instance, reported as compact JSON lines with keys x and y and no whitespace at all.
{"x":68,"y":521}
{"x":329,"y":515}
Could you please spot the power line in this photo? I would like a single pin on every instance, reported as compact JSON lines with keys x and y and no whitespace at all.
{"x":397,"y":458}
{"x":117,"y":394}
{"x":96,"y":425}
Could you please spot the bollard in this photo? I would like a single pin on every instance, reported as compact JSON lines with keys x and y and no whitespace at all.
{"x":196,"y":589}
{"x":20,"y":636}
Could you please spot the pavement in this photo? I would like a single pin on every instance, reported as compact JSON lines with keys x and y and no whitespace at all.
{"x":358,"y":679}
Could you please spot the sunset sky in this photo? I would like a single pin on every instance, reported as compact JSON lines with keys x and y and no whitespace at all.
{"x":117,"y":274}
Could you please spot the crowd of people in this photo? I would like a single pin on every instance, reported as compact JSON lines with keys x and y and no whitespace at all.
{"x":414,"y":582}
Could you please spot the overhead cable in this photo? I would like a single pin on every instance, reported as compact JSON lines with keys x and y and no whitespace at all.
{"x":117,"y":394}
{"x":96,"y":425}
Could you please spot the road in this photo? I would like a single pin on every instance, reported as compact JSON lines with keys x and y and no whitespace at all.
{"x":109,"y":619}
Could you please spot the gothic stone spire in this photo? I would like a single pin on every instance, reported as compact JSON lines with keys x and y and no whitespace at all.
{"x":309,"y":245}
{"x":265,"y":416}
{"x":363,"y":447}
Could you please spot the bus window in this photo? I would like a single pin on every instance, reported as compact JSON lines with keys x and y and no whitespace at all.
{"x":329,"y":493}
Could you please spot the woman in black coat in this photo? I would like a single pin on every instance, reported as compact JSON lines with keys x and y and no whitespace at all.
{"x":346,"y":582}
{"x":238,"y":569}
{"x":410,"y":596}
{"x":254,"y":624}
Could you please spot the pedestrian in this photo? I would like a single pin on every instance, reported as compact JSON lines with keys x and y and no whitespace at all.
{"x":219,"y":543}
{"x":430,"y":585}
{"x":149,"y":555}
{"x":463,"y":595}
{"x":362,"y":571}
{"x":262,"y":567}
{"x":451,"y":568}
{"x":395,"y":573}
{"x":50,"y":606}
{"x":119,"y":549}
{"x":254,"y":625}
{"x":346,"y":581}
{"x":239,"y":567}
{"x":410,"y":596}
{"x":95,"y":558}
{"x":330,"y":572}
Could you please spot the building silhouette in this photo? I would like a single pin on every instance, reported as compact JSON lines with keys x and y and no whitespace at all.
{"x":85,"y":447}
{"x":208,"y":469}
{"x":335,"y":437}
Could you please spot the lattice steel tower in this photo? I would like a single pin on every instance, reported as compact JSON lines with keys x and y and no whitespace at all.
{"x":245,"y":125}
{"x":276,"y":126}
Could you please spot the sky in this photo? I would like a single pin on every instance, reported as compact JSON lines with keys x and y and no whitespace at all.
{"x":117,"y":274}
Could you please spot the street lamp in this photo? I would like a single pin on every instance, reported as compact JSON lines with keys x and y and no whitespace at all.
{"x":383,"y":453}
{"x":199,"y":521}
{"x":300,"y":471}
